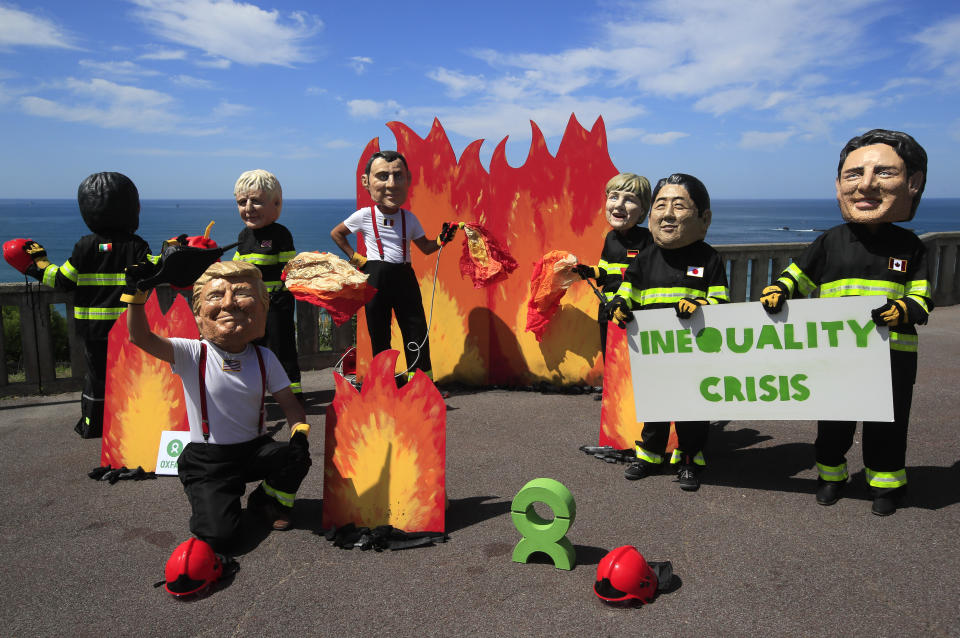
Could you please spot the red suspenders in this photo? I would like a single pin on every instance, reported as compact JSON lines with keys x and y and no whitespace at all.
{"x":204,"y":421}
{"x":403,"y":229}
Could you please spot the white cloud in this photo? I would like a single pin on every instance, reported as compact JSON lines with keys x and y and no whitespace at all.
{"x":116,"y":68}
{"x":765,"y":141}
{"x":661,"y":139}
{"x":214,"y":63}
{"x":457,"y":84}
{"x":359,"y":63}
{"x":110,"y":105}
{"x":230,"y":30}
{"x":164,"y":54}
{"x":20,"y":28}
{"x":337,"y":144}
{"x":940,"y":47}
{"x":374,"y":108}
{"x":191,"y":82}
{"x":227,"y":109}
{"x":315,"y":90}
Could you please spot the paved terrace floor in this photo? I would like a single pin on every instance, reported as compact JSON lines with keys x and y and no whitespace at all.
{"x":756,"y":556}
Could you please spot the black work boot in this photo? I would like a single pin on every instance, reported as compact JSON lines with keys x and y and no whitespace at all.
{"x":688,"y":475}
{"x":829,"y":492}
{"x":885,"y":501}
{"x":641,"y":469}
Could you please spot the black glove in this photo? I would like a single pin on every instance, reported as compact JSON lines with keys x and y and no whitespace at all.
{"x":773,"y":297}
{"x":686,"y":307}
{"x":134,"y":276}
{"x":37,"y":253}
{"x":586,"y":272}
{"x":893,"y":313}
{"x":617,"y":309}
{"x":447,"y":233}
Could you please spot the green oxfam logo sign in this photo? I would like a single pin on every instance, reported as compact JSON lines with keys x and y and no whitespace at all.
{"x":174,"y":448}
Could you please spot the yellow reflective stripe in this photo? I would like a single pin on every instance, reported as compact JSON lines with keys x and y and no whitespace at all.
{"x":102,"y":279}
{"x":678,"y":456}
{"x":429,"y":374}
{"x":50,"y":275}
{"x":649,"y":457}
{"x":886,"y":479}
{"x":922,"y":301}
{"x":273,"y":286}
{"x":716,"y":294}
{"x":832,"y":472}
{"x":95,"y":314}
{"x":611,"y":268}
{"x":861,"y":288}
{"x":625,"y":290}
{"x":295,"y":387}
{"x":903,"y":342}
{"x":609,"y":295}
{"x":68,"y":271}
{"x":805,"y":284}
{"x":284,"y":498}
{"x":665,"y":295}
{"x":155,"y":259}
{"x":287,"y":255}
{"x":257,"y":259}
{"x":919,"y":287}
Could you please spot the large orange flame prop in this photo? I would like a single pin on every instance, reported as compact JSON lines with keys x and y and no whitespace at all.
{"x":618,"y":416}
{"x":143,"y":397}
{"x":549,"y":203}
{"x":385,"y":455}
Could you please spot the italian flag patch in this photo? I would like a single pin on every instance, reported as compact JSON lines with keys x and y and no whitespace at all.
{"x":104,"y":248}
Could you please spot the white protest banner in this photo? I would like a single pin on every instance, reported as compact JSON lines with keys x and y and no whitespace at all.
{"x":171,"y":446}
{"x":818,"y":359}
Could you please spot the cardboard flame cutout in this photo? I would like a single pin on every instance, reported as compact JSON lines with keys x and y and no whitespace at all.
{"x":143,"y":397}
{"x":550,"y":202}
{"x":385,"y":455}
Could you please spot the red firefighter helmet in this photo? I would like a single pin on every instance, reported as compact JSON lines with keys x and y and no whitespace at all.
{"x":623,"y":574}
{"x":192,"y":566}
{"x":15,"y":255}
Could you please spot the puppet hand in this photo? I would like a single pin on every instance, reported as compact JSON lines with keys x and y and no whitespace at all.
{"x":893,"y":313}
{"x":37,"y":253}
{"x":619,"y":310}
{"x":686,"y":307}
{"x":773,"y":297}
{"x":134,"y":275}
{"x":586,"y":271}
{"x":358,"y":261}
{"x":447,"y":233}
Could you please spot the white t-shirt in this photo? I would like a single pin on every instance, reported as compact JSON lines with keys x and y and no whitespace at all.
{"x":390,"y":227}
{"x":233,"y":388}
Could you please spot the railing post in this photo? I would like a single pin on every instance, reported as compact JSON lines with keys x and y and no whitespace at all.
{"x":38,"y":364}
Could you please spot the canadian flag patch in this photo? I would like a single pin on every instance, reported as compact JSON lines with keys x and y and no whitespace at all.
{"x":694,"y":271}
{"x":900,"y":265}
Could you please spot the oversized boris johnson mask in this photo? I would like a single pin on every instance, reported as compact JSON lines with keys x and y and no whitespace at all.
{"x":880,"y":177}
{"x":230,"y":305}
{"x":681,"y":211}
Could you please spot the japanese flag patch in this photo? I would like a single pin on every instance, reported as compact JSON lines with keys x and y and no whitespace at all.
{"x":900,"y":265}
{"x":694,"y":271}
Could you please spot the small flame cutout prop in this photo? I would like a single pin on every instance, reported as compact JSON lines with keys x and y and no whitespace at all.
{"x":143,"y":397}
{"x":619,"y":427}
{"x":549,"y":203}
{"x":385,"y":454}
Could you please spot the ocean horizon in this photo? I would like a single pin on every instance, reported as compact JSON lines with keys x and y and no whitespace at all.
{"x":57,"y":224}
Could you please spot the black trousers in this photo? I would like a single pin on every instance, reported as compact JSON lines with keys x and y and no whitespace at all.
{"x":399,"y":293}
{"x":214,"y":478}
{"x":691,"y":436}
{"x":281,"y":335}
{"x":90,"y":425}
{"x":884,"y":443}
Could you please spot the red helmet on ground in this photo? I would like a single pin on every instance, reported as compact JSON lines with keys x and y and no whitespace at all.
{"x":15,"y":255}
{"x":192,"y":566}
{"x":623,"y":575}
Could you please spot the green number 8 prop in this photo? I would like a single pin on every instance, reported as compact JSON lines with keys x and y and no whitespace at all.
{"x":539,"y":534}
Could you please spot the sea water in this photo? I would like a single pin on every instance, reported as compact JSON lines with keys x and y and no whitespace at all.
{"x":57,"y":224}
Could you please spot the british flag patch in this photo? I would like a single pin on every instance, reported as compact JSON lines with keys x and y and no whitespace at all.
{"x":231,"y":365}
{"x":266,"y":243}
{"x":694,"y":271}
{"x":900,"y":265}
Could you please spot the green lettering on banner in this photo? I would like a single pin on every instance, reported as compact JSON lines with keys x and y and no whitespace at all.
{"x":731,"y":389}
{"x":769,"y":336}
{"x":769,"y":390}
{"x":739,"y":348}
{"x":811,"y":334}
{"x":862,"y":332}
{"x":784,"y":388}
{"x":832,"y":328}
{"x":705,"y":389}
{"x":788,"y":340}
{"x":684,"y":341}
{"x":645,"y":342}
{"x":801,"y":392}
{"x":709,"y":340}
{"x":751,"y":389}
{"x":661,"y":341}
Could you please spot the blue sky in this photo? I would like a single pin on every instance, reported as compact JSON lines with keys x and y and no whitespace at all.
{"x":755,"y":98}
